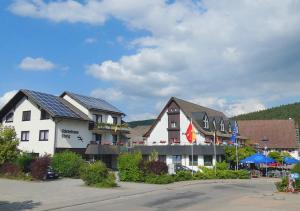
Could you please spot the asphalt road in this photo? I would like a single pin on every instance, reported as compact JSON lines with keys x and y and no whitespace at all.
{"x":71,"y":194}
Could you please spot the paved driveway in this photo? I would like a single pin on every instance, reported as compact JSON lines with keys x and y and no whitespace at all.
{"x":70,"y":194}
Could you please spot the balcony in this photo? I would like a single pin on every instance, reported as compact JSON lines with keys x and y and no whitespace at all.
{"x":107,"y":127}
{"x":118,"y":143}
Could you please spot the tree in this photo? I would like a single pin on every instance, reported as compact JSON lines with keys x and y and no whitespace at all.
{"x":279,"y":157}
{"x":8,"y":144}
{"x":243,"y":152}
{"x":276,"y":156}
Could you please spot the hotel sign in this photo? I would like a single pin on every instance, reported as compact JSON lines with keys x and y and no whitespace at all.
{"x":67,"y":133}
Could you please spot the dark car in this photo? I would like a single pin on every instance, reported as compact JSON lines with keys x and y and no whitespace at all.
{"x":50,"y":174}
{"x":179,"y":167}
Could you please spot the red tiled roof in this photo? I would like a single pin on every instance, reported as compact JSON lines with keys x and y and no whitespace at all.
{"x":281,"y":134}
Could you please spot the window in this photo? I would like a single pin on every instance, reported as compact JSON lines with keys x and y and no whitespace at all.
{"x":173,"y":125}
{"x":98,"y":138}
{"x":115,"y":120}
{"x":9,"y":117}
{"x":229,"y":128}
{"x":176,"y":159}
{"x":98,"y":118}
{"x":26,"y":115}
{"x":222,"y":126}
{"x":43,"y":135}
{"x":205,"y":121}
{"x":195,"y":160}
{"x":115,"y":139}
{"x":24,"y":135}
{"x":208,"y":160}
{"x":44,"y":115}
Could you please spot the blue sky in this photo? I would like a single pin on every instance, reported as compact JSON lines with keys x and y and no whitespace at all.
{"x":234,"y":57}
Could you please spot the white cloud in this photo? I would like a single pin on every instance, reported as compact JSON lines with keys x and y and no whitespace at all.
{"x":109,"y":94}
{"x":36,"y":64}
{"x":233,"y":49}
{"x":6,"y":97}
{"x":230,"y":108}
{"x":244,"y":106}
{"x":90,"y":40}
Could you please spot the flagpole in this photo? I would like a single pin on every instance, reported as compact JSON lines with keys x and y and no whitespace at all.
{"x":215,"y":155}
{"x":236,"y":154}
{"x":192,"y":152}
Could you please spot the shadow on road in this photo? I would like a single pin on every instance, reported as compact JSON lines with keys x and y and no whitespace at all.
{"x":22,"y":205}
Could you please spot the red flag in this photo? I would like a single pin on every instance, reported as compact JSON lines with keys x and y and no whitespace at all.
{"x":190,"y":133}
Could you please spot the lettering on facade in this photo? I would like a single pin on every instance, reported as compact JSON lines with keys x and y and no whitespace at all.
{"x":67,"y":133}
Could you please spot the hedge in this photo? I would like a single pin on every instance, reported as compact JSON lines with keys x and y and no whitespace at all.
{"x":97,"y":175}
{"x":67,"y":164}
{"x":128,"y":165}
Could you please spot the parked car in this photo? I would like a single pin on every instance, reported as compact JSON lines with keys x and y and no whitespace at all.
{"x":50,"y":174}
{"x":180,"y":167}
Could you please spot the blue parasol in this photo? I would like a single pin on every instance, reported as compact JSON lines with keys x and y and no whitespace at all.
{"x":258,"y":159}
{"x":289,"y":160}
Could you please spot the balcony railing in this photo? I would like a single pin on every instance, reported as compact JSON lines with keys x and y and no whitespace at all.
{"x":123,"y":128}
{"x":118,"y":143}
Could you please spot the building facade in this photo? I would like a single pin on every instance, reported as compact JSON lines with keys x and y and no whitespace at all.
{"x":272,"y":135}
{"x":167,"y":136}
{"x":46,"y":124}
{"x":168,"y":133}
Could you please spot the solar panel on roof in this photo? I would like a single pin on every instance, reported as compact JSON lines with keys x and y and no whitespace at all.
{"x":52,"y":104}
{"x":95,"y":103}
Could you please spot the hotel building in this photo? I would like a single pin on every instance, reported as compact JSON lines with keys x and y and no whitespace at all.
{"x":166,"y":135}
{"x":46,"y":124}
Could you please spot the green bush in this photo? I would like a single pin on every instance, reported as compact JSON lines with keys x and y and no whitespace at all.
{"x":128,"y":165}
{"x":159,"y":179}
{"x":296,"y":168}
{"x":226,"y":174}
{"x":221,"y":174}
{"x":97,"y":175}
{"x":183,"y":176}
{"x":8,"y":144}
{"x":282,"y":185}
{"x":222,"y":165}
{"x":67,"y":163}
{"x":242,"y":174}
{"x":24,"y":161}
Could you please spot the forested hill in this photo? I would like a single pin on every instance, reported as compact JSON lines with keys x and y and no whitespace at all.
{"x":281,"y":112}
{"x":141,"y":123}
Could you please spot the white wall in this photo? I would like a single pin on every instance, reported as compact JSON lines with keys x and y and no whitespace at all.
{"x":33,"y":126}
{"x":160,"y":132}
{"x":73,"y":142}
{"x":184,"y":123}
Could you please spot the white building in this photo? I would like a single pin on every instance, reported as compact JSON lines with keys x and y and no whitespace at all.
{"x":46,"y":124}
{"x":167,"y":135}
